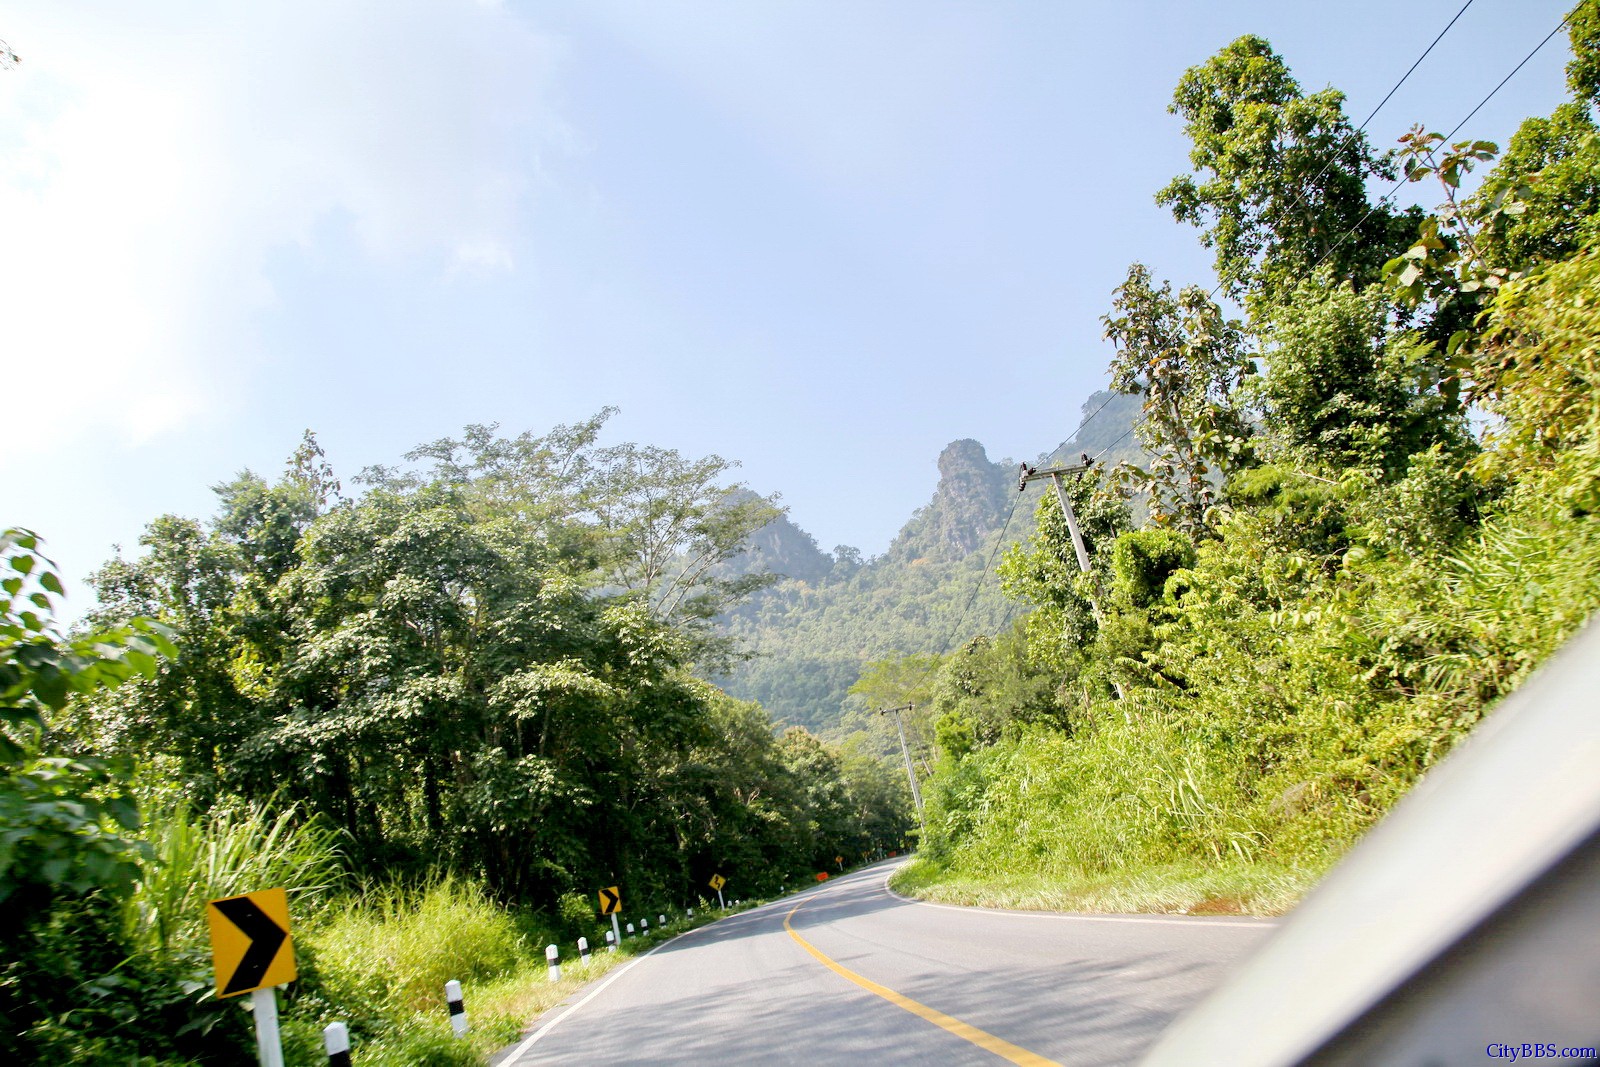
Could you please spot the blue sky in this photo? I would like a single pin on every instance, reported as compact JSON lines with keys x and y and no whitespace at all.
{"x":823,"y":239}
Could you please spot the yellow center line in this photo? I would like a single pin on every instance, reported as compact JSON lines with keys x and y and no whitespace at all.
{"x":967,"y":1032}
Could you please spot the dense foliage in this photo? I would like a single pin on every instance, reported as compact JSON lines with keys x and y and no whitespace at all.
{"x":482,"y":668}
{"x":1338,"y":578}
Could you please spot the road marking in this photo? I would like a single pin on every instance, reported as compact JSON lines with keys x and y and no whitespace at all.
{"x":532,"y":1039}
{"x":966,"y":1031}
{"x":1247,"y":923}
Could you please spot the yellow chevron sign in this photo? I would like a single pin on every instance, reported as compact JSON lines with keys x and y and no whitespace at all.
{"x":250,"y":944}
{"x":610,"y":900}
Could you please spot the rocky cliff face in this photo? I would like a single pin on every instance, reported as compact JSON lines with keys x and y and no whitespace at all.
{"x":969,"y":504}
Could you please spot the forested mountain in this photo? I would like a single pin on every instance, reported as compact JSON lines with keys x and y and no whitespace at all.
{"x":813,"y":631}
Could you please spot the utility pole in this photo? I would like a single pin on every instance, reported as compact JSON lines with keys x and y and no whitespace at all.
{"x":905,"y":750}
{"x":1055,"y":474}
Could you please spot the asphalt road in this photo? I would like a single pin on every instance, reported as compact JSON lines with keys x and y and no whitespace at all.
{"x":849,"y":973}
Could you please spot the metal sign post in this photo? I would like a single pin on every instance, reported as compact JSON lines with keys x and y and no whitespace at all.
{"x":611,"y":904}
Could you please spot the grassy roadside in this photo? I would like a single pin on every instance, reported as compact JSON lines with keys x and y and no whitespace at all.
{"x":1174,"y":889}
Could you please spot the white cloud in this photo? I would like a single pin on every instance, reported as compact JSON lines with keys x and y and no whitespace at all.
{"x":152,"y":158}
{"x":481,"y":257}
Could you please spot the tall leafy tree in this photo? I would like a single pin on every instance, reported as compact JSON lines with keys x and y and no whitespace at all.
{"x":448,"y":669}
{"x":1187,"y":360}
{"x":1343,"y":389}
{"x":1279,"y":183}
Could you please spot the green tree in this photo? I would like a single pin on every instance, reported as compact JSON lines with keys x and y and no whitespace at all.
{"x":989,"y":687}
{"x":1186,"y":360}
{"x":68,"y":855}
{"x":1343,"y":390}
{"x":1282,"y":177}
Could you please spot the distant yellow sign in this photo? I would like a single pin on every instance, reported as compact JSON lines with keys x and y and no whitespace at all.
{"x":717,"y":882}
{"x":250,"y":944}
{"x":610,"y":900}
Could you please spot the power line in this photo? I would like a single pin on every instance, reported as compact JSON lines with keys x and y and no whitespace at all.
{"x":1411,"y":70}
{"x":1309,"y":185}
{"x":1396,"y":187}
{"x":1386,"y":197}
{"x":1006,"y":526}
{"x":1306,"y":190}
{"x":1120,"y":438}
{"x":1104,"y":404}
{"x":1536,"y":48}
{"x":977,"y":586}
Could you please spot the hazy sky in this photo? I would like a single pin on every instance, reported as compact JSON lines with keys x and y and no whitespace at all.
{"x":824,"y":239}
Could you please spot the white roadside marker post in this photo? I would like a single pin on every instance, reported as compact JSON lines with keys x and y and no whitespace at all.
{"x":612,"y":938}
{"x":458,"y":1008}
{"x":552,"y":956}
{"x":630,"y":929}
{"x":661,"y":920}
{"x":644,"y":926}
{"x":264,"y":1006}
{"x":691,"y":913}
{"x":583,"y":950}
{"x":336,"y":1040}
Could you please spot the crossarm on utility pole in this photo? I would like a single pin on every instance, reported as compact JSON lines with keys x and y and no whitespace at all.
{"x":1055,"y":474}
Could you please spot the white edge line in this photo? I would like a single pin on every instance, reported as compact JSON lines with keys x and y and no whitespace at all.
{"x":529,"y":1041}
{"x":1176,"y":920}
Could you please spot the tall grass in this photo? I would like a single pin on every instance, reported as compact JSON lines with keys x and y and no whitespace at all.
{"x":395,"y":946}
{"x":232,"y":849}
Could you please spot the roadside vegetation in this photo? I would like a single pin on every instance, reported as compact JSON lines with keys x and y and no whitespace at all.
{"x":1372,"y":513}
{"x":441,"y":715}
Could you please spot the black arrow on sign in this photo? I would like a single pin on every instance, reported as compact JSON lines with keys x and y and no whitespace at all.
{"x":266,"y":937}
{"x":609,"y":902}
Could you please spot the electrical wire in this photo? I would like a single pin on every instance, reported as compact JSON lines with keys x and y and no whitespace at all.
{"x":1120,"y":438}
{"x":1305,"y":190}
{"x":1311,"y":184}
{"x":977,"y":587}
{"x":1006,"y":526}
{"x":1386,"y":197}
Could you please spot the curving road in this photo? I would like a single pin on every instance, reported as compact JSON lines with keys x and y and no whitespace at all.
{"x":849,"y":972}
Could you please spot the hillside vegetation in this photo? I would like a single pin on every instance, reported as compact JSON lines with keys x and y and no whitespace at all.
{"x":829,"y":616}
{"x":1338,"y":577}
